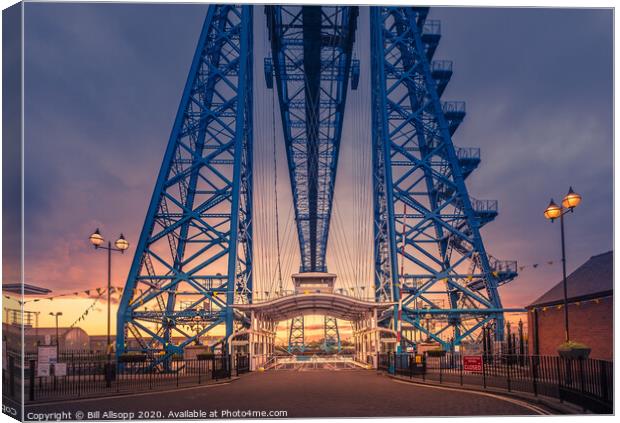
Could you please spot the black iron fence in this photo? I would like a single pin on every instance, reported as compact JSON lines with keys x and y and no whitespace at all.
{"x":586,"y":383}
{"x":101,"y":376}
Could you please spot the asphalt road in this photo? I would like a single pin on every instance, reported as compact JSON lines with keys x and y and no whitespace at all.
{"x":299,"y":394}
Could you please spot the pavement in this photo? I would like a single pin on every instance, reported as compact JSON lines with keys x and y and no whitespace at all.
{"x":292,"y":394}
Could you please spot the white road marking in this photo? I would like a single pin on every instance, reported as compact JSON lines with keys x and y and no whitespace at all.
{"x":524,"y":404}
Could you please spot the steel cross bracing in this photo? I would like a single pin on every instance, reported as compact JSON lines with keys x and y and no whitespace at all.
{"x":312,"y":60}
{"x":429,"y":256}
{"x":296,"y":337}
{"x":331,"y":340}
{"x":194,"y":255}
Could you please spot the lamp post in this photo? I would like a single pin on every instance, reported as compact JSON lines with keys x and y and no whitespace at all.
{"x":427,"y":319}
{"x":120,"y":245}
{"x":57,"y":315}
{"x":552,"y":212}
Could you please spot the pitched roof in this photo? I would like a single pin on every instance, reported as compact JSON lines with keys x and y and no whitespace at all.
{"x":595,"y":276}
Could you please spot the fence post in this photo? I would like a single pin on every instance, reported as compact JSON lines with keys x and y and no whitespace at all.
{"x":603,"y":374}
{"x":484,"y":375}
{"x":508,"y":371}
{"x":177,"y":374}
{"x":557,"y":362}
{"x":11,"y":375}
{"x":534,"y":367}
{"x":32,"y":381}
{"x":117,"y":366}
{"x":411,"y":364}
{"x":440,"y":370}
{"x":581,"y":382}
{"x":108,"y":374}
{"x":461,"y":367}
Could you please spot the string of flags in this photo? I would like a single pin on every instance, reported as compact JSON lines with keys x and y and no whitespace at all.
{"x":537,"y":265}
{"x":101,"y":291}
{"x":576,"y":303}
{"x":89,"y":292}
{"x":88,"y":310}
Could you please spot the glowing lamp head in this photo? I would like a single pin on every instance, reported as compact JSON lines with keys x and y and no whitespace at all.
{"x":121,"y":243}
{"x":96,"y":239}
{"x":571,"y":200}
{"x":553,"y":211}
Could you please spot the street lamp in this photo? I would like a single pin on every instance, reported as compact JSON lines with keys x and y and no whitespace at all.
{"x":552,"y":212}
{"x":120,"y":245}
{"x":56,"y":315}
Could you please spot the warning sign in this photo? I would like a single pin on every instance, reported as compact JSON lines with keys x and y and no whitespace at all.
{"x":472,"y":363}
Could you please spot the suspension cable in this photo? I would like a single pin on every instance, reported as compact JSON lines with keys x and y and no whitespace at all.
{"x":275,"y":188}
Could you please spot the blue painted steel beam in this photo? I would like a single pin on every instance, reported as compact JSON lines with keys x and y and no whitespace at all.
{"x":311,"y":49}
{"x":425,"y":221}
{"x":194,"y":256}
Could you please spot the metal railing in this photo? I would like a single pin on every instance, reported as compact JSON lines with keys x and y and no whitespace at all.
{"x":584,"y":382}
{"x":100,"y":377}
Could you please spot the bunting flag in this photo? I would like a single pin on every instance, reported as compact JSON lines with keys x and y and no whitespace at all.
{"x":537,"y":265}
{"x":85,"y":312}
{"x":576,"y":303}
{"x":87,"y":292}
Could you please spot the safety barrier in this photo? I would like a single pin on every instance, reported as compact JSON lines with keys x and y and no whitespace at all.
{"x":82,"y":378}
{"x":584,"y":382}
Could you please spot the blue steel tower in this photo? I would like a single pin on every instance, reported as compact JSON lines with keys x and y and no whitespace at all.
{"x":194,"y":255}
{"x":311,"y":57}
{"x":429,"y":255}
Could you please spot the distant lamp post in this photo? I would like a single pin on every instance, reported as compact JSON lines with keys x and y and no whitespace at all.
{"x":552,"y":212}
{"x":427,"y":319}
{"x":120,"y":245}
{"x":57,"y":315}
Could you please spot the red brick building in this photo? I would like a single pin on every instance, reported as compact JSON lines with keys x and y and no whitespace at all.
{"x":590,"y":311}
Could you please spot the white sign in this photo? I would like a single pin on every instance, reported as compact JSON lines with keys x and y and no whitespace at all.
{"x":46,"y":356}
{"x":43,"y":370}
{"x":60,"y":369}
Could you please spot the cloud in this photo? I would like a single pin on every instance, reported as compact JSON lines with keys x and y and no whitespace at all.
{"x":103,"y":84}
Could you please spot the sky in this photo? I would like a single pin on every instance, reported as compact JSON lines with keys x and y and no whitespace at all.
{"x":102,"y":86}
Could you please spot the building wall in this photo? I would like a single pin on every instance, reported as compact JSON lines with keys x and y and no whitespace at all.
{"x":589,"y":323}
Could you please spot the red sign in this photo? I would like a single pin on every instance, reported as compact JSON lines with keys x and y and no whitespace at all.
{"x":472,"y":363}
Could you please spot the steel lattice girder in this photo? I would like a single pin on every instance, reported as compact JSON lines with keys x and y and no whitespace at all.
{"x":311,"y":59}
{"x":331,"y":334}
{"x":193,"y":258}
{"x":296,"y":338}
{"x":425,"y":221}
